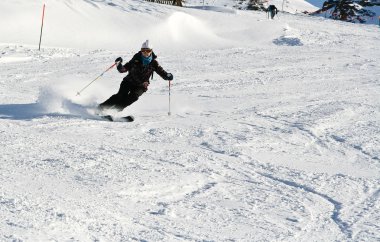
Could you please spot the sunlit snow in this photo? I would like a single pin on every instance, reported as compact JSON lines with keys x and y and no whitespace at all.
{"x":274,"y":131}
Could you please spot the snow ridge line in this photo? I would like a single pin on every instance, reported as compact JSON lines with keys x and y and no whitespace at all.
{"x":356,"y":147}
{"x":367,"y":204}
{"x":296,"y":125}
{"x":343,"y":226}
{"x":323,"y":143}
{"x":201,"y":190}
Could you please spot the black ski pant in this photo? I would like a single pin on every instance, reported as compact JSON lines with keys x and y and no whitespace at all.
{"x":126,"y":95}
{"x":272,"y":13}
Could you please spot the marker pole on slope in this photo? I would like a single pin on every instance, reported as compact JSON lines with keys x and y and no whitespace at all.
{"x":42,"y":25}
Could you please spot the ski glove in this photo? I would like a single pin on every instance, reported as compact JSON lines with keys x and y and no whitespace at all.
{"x":169,"y":77}
{"x":145,"y":85}
{"x":119,"y":59}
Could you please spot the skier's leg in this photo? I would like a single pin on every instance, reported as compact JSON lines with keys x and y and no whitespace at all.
{"x":132,"y":97}
{"x":109,"y":102}
{"x":116,"y":99}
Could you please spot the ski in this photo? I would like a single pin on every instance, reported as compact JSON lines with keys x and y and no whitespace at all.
{"x":111,"y":118}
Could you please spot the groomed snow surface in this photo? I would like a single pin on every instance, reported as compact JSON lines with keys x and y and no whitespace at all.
{"x":274,"y":133}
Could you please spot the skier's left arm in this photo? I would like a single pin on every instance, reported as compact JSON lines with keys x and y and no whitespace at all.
{"x":160,"y":71}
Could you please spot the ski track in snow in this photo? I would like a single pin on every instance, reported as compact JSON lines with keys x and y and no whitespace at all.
{"x":277,"y":141}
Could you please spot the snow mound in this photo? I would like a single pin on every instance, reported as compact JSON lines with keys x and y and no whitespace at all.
{"x":183,"y":31}
{"x":290,"y":38}
{"x":289,"y":41}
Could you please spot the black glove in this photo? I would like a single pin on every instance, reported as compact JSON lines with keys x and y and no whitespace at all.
{"x":169,"y":77}
{"x":119,"y":59}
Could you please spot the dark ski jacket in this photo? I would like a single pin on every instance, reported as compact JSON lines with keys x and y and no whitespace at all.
{"x":138,"y":73}
{"x":272,"y":8}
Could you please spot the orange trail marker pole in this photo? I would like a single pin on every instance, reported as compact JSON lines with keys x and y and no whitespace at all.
{"x":42,"y":25}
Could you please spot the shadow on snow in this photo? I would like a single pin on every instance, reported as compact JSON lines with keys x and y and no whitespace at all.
{"x":28,"y":111}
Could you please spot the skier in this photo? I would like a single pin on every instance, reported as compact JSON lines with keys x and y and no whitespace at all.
{"x":272,"y":10}
{"x":140,"y":68}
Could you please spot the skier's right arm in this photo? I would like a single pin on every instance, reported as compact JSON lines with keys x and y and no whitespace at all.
{"x":124,"y":68}
{"x":120,"y":66}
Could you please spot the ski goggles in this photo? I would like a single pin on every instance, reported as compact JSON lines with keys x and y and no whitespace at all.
{"x":146,"y":50}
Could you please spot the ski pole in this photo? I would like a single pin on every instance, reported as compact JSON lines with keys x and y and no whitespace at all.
{"x":169,"y":113}
{"x":109,"y":68}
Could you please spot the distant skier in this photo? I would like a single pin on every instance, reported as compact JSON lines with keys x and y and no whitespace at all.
{"x":272,"y":10}
{"x":140,"y":68}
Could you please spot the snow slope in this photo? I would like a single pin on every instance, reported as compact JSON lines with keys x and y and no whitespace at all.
{"x":369,"y":20}
{"x":290,"y":6}
{"x":274,"y":133}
